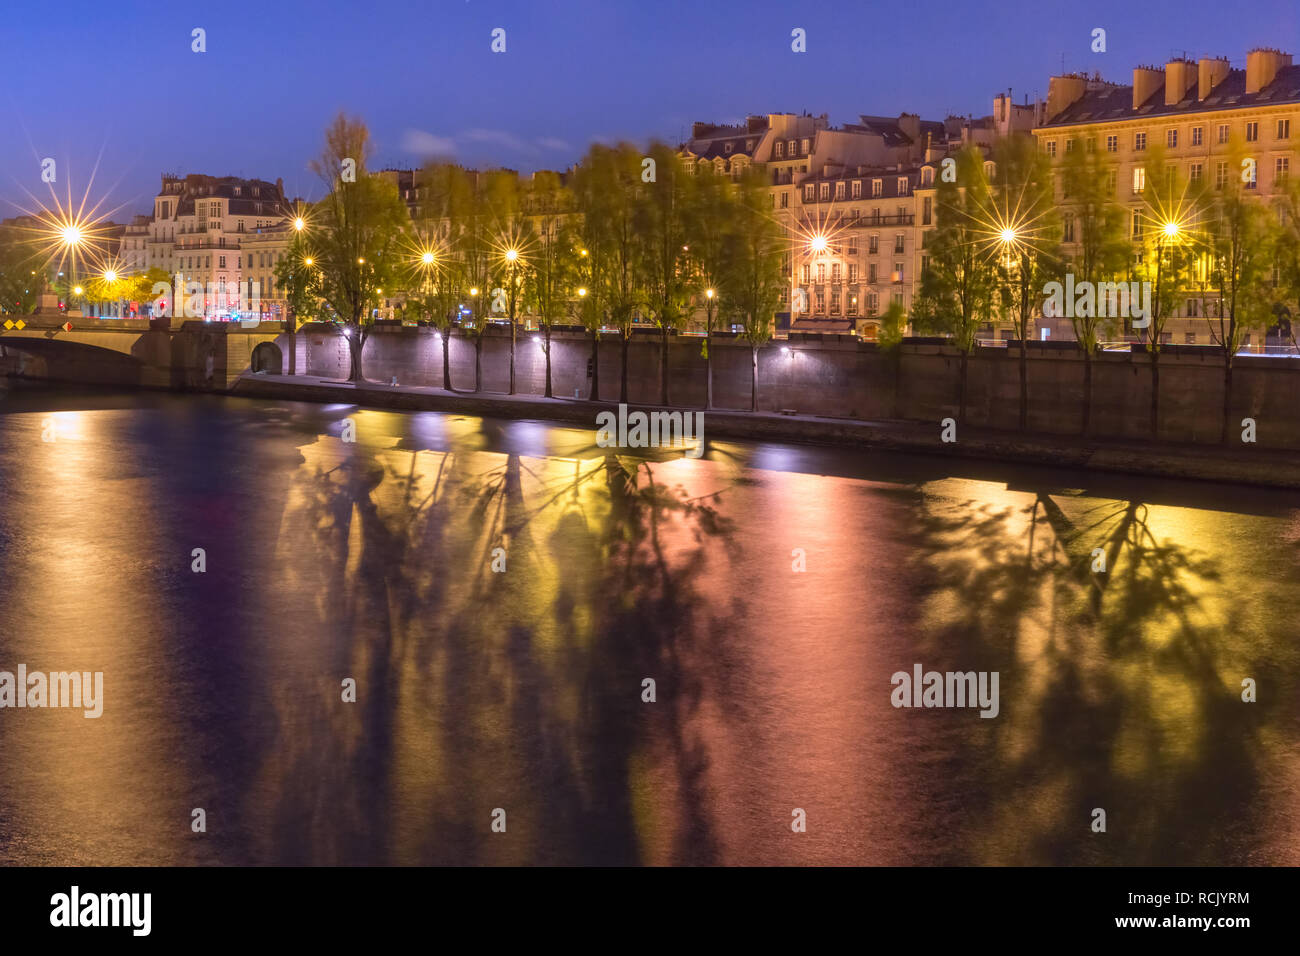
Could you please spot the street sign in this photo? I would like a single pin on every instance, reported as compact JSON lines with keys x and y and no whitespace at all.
{"x":67,"y":326}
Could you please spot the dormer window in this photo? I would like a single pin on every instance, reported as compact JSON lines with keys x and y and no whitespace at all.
{"x":902,"y":185}
{"x":927,"y":176}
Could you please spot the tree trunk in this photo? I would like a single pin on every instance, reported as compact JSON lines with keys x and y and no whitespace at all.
{"x":478,"y":360}
{"x":355,"y":345}
{"x":595,"y":366}
{"x":1087,"y":391}
{"x":1227,"y":393}
{"x":446,"y":359}
{"x":1155,"y":394}
{"x":1024,"y":385}
{"x":512,"y":355}
{"x":898,"y":380}
{"x":293,"y":349}
{"x":623,"y":391}
{"x":548,"y":360}
{"x":708,"y":370}
{"x":663,"y":384}
{"x":753,"y":378}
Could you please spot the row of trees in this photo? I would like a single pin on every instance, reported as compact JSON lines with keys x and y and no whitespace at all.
{"x":629,"y":235}
{"x":1004,"y":232}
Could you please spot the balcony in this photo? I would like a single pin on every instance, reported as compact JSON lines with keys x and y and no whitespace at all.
{"x":895,"y":219}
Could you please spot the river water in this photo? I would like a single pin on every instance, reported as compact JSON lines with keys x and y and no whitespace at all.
{"x":516,"y":695}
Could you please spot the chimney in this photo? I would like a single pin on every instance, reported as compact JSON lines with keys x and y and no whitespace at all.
{"x":1262,"y":66}
{"x":1146,"y":80}
{"x":1213,"y":71}
{"x":1180,"y":76}
{"x":1062,"y":92}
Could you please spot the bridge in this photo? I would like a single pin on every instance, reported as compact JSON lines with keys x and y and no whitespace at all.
{"x":163,"y":353}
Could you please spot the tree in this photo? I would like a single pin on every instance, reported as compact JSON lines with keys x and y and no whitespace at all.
{"x":359,"y":225}
{"x":752,"y":280}
{"x":609,"y":182}
{"x":22,"y":273}
{"x":448,"y":216}
{"x":709,"y":221}
{"x":507,"y":257}
{"x":1025,"y":251}
{"x":957,"y":288}
{"x":662,"y":214}
{"x":1102,"y":252}
{"x":890,"y":340}
{"x":298,"y":277}
{"x":1167,"y":256}
{"x":552,"y":264}
{"x":1240,"y":238}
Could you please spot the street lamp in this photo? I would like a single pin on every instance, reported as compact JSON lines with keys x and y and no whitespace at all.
{"x":300,"y":224}
{"x":818,"y":243}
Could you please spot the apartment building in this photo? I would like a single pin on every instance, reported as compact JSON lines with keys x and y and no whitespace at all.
{"x":1205,"y":115}
{"x":198,"y":229}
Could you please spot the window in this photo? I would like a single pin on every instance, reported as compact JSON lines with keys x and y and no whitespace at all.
{"x":871,"y":272}
{"x":835,"y":302}
{"x":1189,"y":338}
{"x":825,"y":191}
{"x":857,"y":189}
{"x":1069,"y":145}
{"x":1092,"y":144}
{"x":902,"y":185}
{"x":927,"y":210}
{"x":1139,"y":179}
{"x":221,"y":262}
{"x":1139,"y":142}
{"x":853,"y":245}
{"x":780,"y":150}
{"x":1051,"y":148}
{"x":1220,"y":174}
{"x":898,"y":272}
{"x":1281,"y":169}
{"x":1137,"y":224}
{"x":1223,"y":132}
{"x":809,"y":193}
{"x":835,"y":272}
{"x":853,"y":304}
{"x":250,"y":260}
{"x":821,"y":273}
{"x":803,"y":146}
{"x":1112,"y":143}
{"x":927,"y":176}
{"x":899,"y":239}
{"x":1196,"y":135}
{"x":785,"y":200}
{"x":1195,"y":172}
{"x":1252,"y":131}
{"x":1067,"y":222}
{"x":806,"y":268}
{"x":839,"y":190}
{"x":1284,"y":129}
{"x":1112,"y":179}
{"x":853,"y":272}
{"x":726,"y":148}
{"x":873,"y":303}
{"x":1171,"y":138}
{"x":794,"y":148}
{"x":821,"y":303}
{"x":877,"y":188}
{"x":873,"y":245}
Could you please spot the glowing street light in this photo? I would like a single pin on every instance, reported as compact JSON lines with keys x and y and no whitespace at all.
{"x":582,"y":292}
{"x":77,"y":291}
{"x":71,"y":235}
{"x":819,"y":243}
{"x":512,"y":255}
{"x":1171,"y":230}
{"x":110,"y":275}
{"x":473,"y":290}
{"x":427,"y":258}
{"x":708,"y":293}
{"x":1007,"y":235}
{"x":582,"y":252}
{"x":309,"y":261}
{"x":361,"y":261}
{"x":300,"y":224}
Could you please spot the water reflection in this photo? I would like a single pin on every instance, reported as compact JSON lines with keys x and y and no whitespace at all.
{"x":522,"y":690}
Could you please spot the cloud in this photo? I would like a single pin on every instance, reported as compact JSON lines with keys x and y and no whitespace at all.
{"x":426,"y":144}
{"x":498,"y":137}
{"x":550,"y":142}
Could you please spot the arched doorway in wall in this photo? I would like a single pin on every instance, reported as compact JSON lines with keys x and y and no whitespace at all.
{"x":267,"y":358}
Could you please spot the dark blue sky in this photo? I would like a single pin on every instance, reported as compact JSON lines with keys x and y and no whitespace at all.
{"x":84,"y":74}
